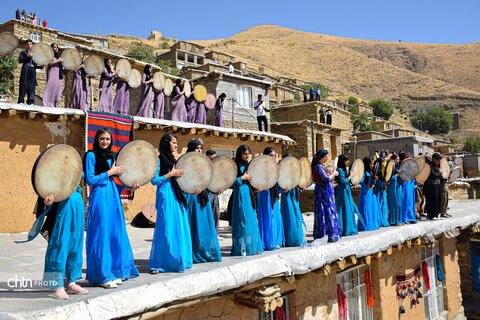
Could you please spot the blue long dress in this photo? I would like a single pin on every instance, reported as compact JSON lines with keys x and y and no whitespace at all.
{"x":346,"y":207}
{"x":270,"y":220}
{"x":381,"y":195}
{"x":109,"y":254}
{"x":408,"y":205}
{"x":204,"y":235}
{"x":394,"y":200}
{"x":244,"y":220}
{"x":367,"y":206}
{"x":172,"y":241}
{"x":292,"y":219}
{"x":326,"y":219}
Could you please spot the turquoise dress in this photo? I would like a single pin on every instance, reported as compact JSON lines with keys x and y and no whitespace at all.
{"x":205,"y":245}
{"x":367,"y":206}
{"x":270,"y":220}
{"x":292,"y":219}
{"x":172,"y":242}
{"x":408,"y":204}
{"x":394,"y":200}
{"x":109,"y":253}
{"x":380,"y":191}
{"x":244,"y":220}
{"x":346,"y":207}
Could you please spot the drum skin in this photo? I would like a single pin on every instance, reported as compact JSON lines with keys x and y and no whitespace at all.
{"x":306,"y":173}
{"x":71,"y":58}
{"x":289,"y":173}
{"x":445,"y":167}
{"x":455,"y":174}
{"x":359,"y":169}
{"x":187,"y":88}
{"x":43,"y":53}
{"x":421,"y":163}
{"x":168,"y":87}
{"x":224,"y":174}
{"x":389,"y":169}
{"x":135,"y":79}
{"x":124,"y":67}
{"x":158,"y":80}
{"x":8,"y":43}
{"x":410,"y":166}
{"x":265,"y":172}
{"x":141,"y":160}
{"x":423,"y":176}
{"x":150,"y":212}
{"x":210,"y":101}
{"x":198,"y":171}
{"x":200,"y":93}
{"x":58,"y":170}
{"x":94,"y":65}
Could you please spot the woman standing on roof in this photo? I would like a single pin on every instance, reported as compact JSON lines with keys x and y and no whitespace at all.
{"x":218,"y":119}
{"x":367,"y":205}
{"x":395,"y":196}
{"x":179,"y":111}
{"x":191,"y":105}
{"x":380,"y":191}
{"x":80,"y":94}
{"x":146,"y":96}
{"x":346,"y":208}
{"x":105,"y":100}
{"x":53,"y":88}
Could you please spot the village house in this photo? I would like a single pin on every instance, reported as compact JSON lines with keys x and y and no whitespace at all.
{"x":281,"y":95}
{"x":183,"y":54}
{"x":220,"y":57}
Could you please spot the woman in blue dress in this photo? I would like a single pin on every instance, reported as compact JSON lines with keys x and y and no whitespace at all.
{"x":245,"y":234}
{"x":408,"y":204}
{"x":269,"y":217}
{"x":204,"y":235}
{"x":346,"y":207}
{"x":172,"y":241}
{"x":380,"y":192}
{"x":292,"y":216}
{"x":394,"y":196}
{"x":326,"y":219}
{"x":367,"y":203}
{"x":109,"y":254}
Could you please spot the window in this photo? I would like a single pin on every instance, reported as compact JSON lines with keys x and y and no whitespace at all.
{"x":262,"y":315}
{"x":244,"y":96}
{"x":226,"y":58}
{"x":69,"y":45}
{"x":191,"y":58}
{"x":231,"y":59}
{"x":102,"y":43}
{"x":216,"y":55}
{"x":181,"y":56}
{"x":185,"y":46}
{"x":353,"y":284}
{"x":433,"y":298}
{"x":192,"y":47}
{"x":35,"y":36}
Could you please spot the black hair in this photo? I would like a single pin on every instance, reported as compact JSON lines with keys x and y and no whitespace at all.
{"x":109,"y":68}
{"x":366,"y":162}
{"x":268,"y":150}
{"x":210,"y":152}
{"x":167,"y":161}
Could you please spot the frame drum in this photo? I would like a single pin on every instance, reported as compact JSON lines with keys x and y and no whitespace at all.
{"x":141,"y":160}
{"x":410,"y":166}
{"x":8,"y":43}
{"x":455,"y":174}
{"x":224,"y":174}
{"x":306,"y":173}
{"x":421,"y":163}
{"x":94,"y":65}
{"x":210,"y":101}
{"x":198,"y":171}
{"x":58,"y":170}
{"x":43,"y":53}
{"x":187,"y":87}
{"x":135,"y":79}
{"x":289,"y":173}
{"x":167,"y":90}
{"x":265,"y":172}
{"x":388,"y":171}
{"x":445,"y":167}
{"x":423,"y":176}
{"x":375,"y":170}
{"x":200,"y":93}
{"x":124,"y":68}
{"x":359,"y":169}
{"x":158,"y":80}
{"x":71,"y":58}
{"x":150,"y":212}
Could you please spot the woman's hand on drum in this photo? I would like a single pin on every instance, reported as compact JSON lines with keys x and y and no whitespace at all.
{"x":353,"y":174}
{"x":286,"y":189}
{"x":247,"y":176}
{"x":135,"y":186}
{"x":197,"y":192}
{"x":48,"y":200}
{"x":258,"y":190}
{"x":219,"y":192}
{"x":30,"y":54}
{"x":175,"y":173}
{"x":114,"y":170}
{"x":59,"y":60}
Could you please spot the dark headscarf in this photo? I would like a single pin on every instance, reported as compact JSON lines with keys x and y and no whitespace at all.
{"x":436,"y":156}
{"x":167,"y":161}
{"x":380,"y":166}
{"x":242,"y":163}
{"x":341,"y":164}
{"x":174,"y":92}
{"x":57,"y":56}
{"x":203,"y":196}
{"x":316,"y":160}
{"x":147,"y":72}
{"x":273,"y":190}
{"x":101,"y":155}
{"x":109,"y":68}
{"x":392,"y":158}
{"x":366,"y":162}
{"x":83,"y":74}
{"x":402,"y":156}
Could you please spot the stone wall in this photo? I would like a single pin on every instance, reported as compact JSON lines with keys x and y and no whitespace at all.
{"x":451,"y":294}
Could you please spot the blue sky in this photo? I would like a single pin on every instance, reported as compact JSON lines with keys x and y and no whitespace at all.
{"x":423,"y":21}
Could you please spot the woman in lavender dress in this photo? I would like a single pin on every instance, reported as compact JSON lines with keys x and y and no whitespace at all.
{"x":326,"y":219}
{"x":105,"y":101}
{"x":146,"y":96}
{"x":79,"y":97}
{"x":218,"y":119}
{"x":179,"y":111}
{"x":121,"y":104}
{"x":201,"y":116}
{"x":53,"y":88}
{"x":158,"y":103}
{"x":191,"y":105}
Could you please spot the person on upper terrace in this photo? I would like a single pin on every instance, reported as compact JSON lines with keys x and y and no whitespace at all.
{"x":312,"y":94}
{"x":17,"y":14}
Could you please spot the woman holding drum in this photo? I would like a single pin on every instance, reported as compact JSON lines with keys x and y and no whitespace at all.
{"x":179,"y":111}
{"x":269,"y":217}
{"x":408,"y":189}
{"x":109,"y":254}
{"x":172,"y":243}
{"x":367,"y":203}
{"x":191,"y":105}
{"x":245,"y":233}
{"x":105,"y":100}
{"x":326,"y":219}
{"x":395,"y":195}
{"x":432,"y":187}
{"x":53,"y":88}
{"x":218,"y":119}
{"x":158,"y":103}
{"x":205,"y":244}
{"x":146,"y":96}
{"x":80,"y":94}
{"x":380,"y":191}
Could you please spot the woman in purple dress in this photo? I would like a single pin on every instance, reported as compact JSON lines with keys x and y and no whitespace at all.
{"x":121,"y":104}
{"x":191,"y":105}
{"x":326,"y":219}
{"x":218,"y":119}
{"x":79,"y":97}
{"x":105,"y":101}
{"x":53,"y":88}
{"x":146,"y":96}
{"x":179,"y":111}
{"x":158,"y":103}
{"x":201,"y":114}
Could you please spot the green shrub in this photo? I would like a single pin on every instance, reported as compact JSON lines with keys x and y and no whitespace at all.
{"x":352,"y":101}
{"x":8,"y":64}
{"x":381,"y":108}
{"x":472,"y":144}
{"x":363,"y":122}
{"x":142,"y":53}
{"x":436,"y":121}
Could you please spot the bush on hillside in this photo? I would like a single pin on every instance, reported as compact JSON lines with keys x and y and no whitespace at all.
{"x":381,"y":108}
{"x":363,"y":122}
{"x":472,"y":144}
{"x":8,"y":64}
{"x":352,"y":110}
{"x":436,"y":121}
{"x":352,"y":101}
{"x":142,"y":53}
{"x":165,"y":45}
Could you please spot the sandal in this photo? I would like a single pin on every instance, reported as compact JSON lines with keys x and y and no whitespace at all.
{"x":154,"y":272}
{"x":109,"y":285}
{"x":76,"y":289}
{"x":118,"y":282}
{"x":60,"y":294}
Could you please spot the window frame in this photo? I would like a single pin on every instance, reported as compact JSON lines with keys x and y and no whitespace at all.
{"x":434,"y":301}
{"x":248,"y":88}
{"x":35,"y":36}
{"x":262,"y":315}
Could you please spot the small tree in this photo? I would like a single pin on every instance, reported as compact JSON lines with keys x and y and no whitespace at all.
{"x":352,"y":110}
{"x":8,"y":64}
{"x":142,"y":53}
{"x":472,"y":144}
{"x":381,"y":108}
{"x":436,"y":121}
{"x":363,"y":122}
{"x":352,"y":101}
{"x":165,"y":45}
{"x":297,"y":96}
